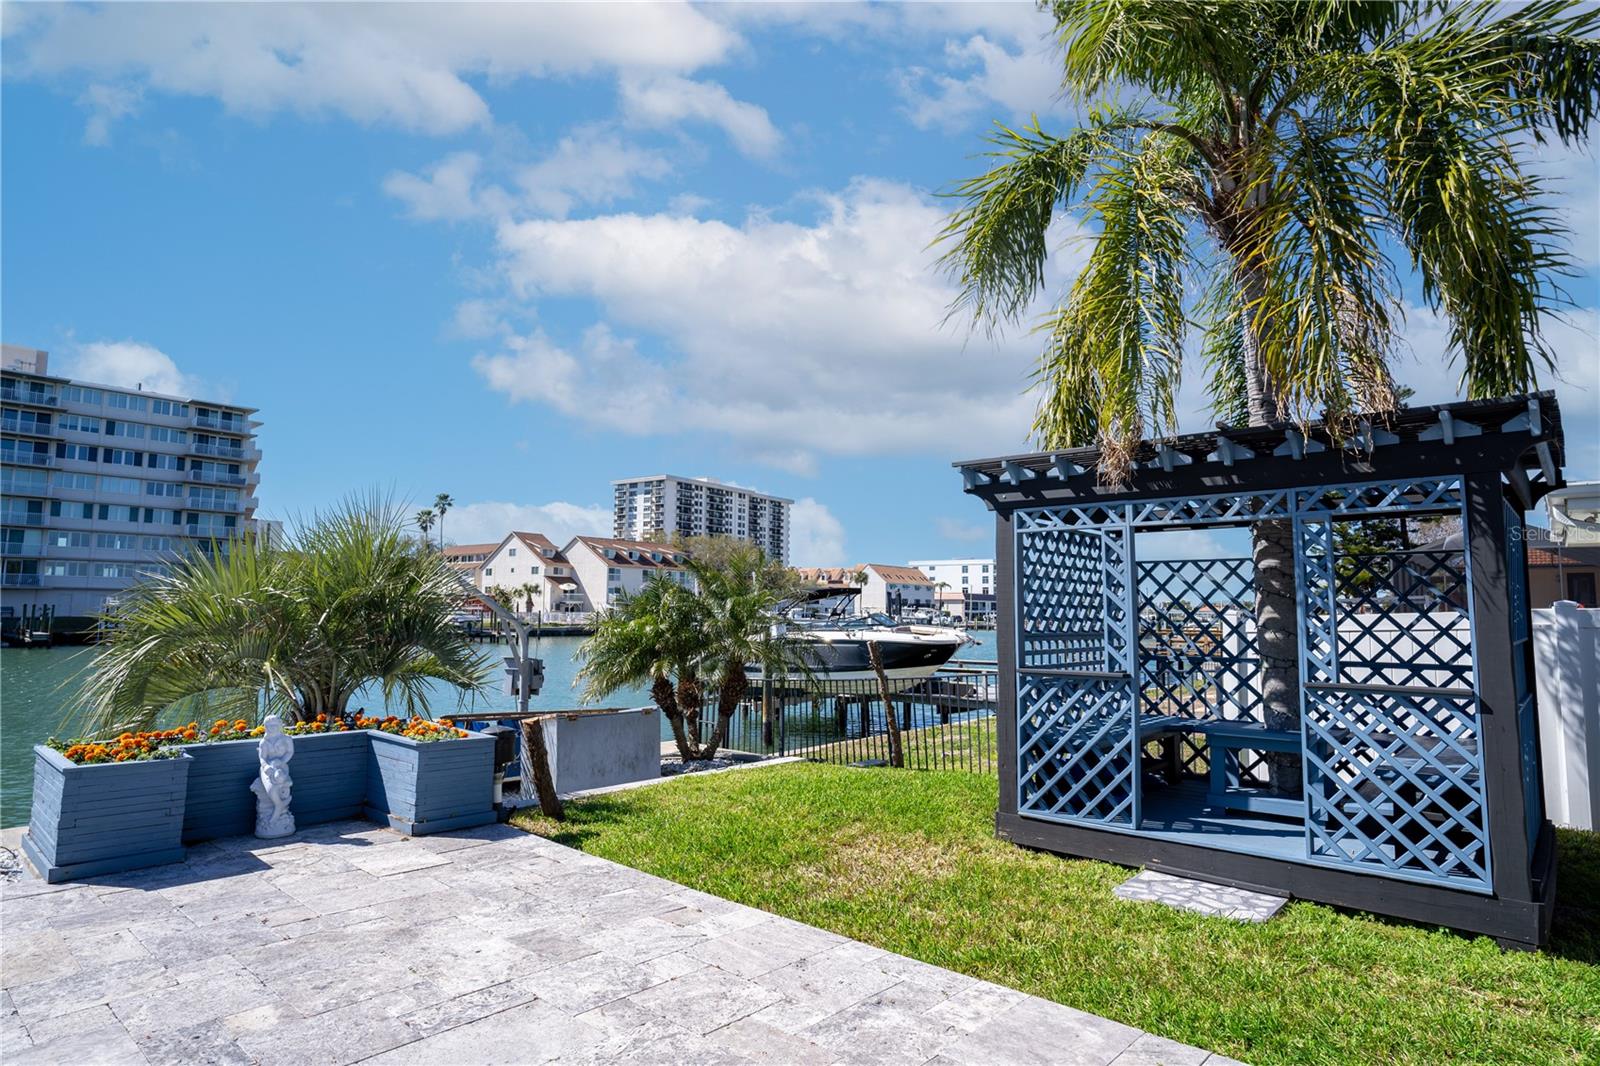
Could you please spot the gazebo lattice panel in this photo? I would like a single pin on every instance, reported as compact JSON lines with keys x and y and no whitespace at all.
{"x":1394,"y":780}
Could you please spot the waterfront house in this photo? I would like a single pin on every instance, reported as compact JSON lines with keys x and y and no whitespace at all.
{"x":532,"y":558}
{"x":883,"y":588}
{"x":1559,"y":571}
{"x":608,"y":568}
{"x":468,"y":559}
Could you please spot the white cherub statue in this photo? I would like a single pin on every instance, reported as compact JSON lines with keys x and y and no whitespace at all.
{"x":272,"y":784}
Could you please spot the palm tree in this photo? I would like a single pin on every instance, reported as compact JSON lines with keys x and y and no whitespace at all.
{"x":678,"y":638}
{"x":442,"y":504}
{"x":526,"y":592}
{"x":1279,"y":156}
{"x":425,"y":519}
{"x":293,"y":630}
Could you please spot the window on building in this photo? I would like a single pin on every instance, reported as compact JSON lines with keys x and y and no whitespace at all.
{"x":62,"y":538}
{"x":124,"y":429}
{"x":122,"y":457}
{"x":169,"y":407}
{"x":127,"y":401}
{"x":127,"y":486}
{"x":157,"y":461}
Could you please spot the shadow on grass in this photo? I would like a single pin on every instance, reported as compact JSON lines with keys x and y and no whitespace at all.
{"x":1575,"y":933}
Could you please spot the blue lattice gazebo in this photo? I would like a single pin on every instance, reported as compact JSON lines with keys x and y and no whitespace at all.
{"x":1405,"y":779}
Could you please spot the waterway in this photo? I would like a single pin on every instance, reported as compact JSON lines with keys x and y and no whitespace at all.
{"x":37,"y":684}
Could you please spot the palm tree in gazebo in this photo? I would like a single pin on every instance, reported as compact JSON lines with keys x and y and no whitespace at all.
{"x":425,"y":519}
{"x":1258,"y":167}
{"x":442,"y":504}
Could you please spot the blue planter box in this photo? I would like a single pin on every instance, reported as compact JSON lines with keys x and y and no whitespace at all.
{"x":329,"y":772}
{"x":104,"y":818}
{"x":420,"y":787}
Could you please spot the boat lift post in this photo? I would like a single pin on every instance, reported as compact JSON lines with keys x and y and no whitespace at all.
{"x":526,"y":674}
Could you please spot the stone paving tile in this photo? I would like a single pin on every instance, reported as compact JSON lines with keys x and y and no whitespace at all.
{"x":705,"y":999}
{"x":759,"y":1042}
{"x":34,"y":956}
{"x":108,"y":1045}
{"x":350,"y":943}
{"x":1045,"y":1033}
{"x":86,"y":1020}
{"x":1201,"y":897}
{"x":1152,"y":1050}
{"x":207,"y":1043}
{"x":56,"y":996}
{"x":531,"y":1033}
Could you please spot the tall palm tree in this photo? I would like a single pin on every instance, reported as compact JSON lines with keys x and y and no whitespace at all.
{"x":425,"y":520}
{"x":677,"y":638}
{"x":526,"y":592}
{"x":296,"y":630}
{"x":1279,"y":156}
{"x":442,"y":504}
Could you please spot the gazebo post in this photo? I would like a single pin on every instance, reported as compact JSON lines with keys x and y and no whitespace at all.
{"x":1005,"y":641}
{"x":1495,"y":649}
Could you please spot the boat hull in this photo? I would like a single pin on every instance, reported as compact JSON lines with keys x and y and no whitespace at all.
{"x":906,"y":659}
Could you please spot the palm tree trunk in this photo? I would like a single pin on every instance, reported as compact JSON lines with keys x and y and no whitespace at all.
{"x":729,"y":692}
{"x":543,"y":782}
{"x":897,"y":757}
{"x":1272,"y":550}
{"x":691,"y":698}
{"x":662,"y":692}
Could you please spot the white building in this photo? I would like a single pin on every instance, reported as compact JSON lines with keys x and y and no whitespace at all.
{"x":104,"y":484}
{"x":883,"y":589}
{"x":658,"y":507}
{"x":964,"y":588}
{"x":536,"y":575}
{"x":610,"y":568}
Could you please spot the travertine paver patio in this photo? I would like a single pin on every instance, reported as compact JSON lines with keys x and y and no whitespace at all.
{"x":349,"y":943}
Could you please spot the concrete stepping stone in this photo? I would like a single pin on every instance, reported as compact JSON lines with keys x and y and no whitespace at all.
{"x":1201,"y":897}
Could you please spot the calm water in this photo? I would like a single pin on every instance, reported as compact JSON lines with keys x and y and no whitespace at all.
{"x":36,"y":702}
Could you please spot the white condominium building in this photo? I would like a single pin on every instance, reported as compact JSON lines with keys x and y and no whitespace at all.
{"x":657,"y":507}
{"x":961,"y":575}
{"x":965,"y":587}
{"x":103,"y":484}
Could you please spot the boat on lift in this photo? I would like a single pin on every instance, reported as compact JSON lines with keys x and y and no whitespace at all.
{"x":834,"y":646}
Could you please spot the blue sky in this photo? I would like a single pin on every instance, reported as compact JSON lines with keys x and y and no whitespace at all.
{"x":514,"y":252}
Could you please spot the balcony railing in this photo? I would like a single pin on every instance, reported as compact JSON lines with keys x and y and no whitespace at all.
{"x":214,"y":477}
{"x":221,"y":451}
{"x":21,"y":518}
{"x":37,"y":397}
{"x":27,"y":458}
{"x":21,"y":580}
{"x":226,"y":425}
{"x":27,"y":429}
{"x":228,"y":506}
{"x":21,"y":548}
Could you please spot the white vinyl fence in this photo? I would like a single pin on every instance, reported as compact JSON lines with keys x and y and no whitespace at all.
{"x":1566,"y":655}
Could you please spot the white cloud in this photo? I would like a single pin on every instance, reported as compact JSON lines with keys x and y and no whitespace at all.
{"x":1021,"y":79}
{"x":491,"y":520}
{"x":956,"y":529}
{"x":995,"y":55}
{"x":447,"y":193}
{"x":816,"y":537}
{"x":793,"y":338}
{"x":405,"y":65}
{"x":590,"y":166}
{"x":105,"y":104}
{"x":666,"y":100}
{"x":130,"y":365}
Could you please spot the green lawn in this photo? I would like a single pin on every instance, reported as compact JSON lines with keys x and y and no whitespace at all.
{"x":908,"y":861}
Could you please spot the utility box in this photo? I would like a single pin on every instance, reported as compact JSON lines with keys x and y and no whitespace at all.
{"x":600,"y":748}
{"x":531,"y":674}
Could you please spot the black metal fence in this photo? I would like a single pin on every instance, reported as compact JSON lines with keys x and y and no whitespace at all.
{"x":946,"y":721}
